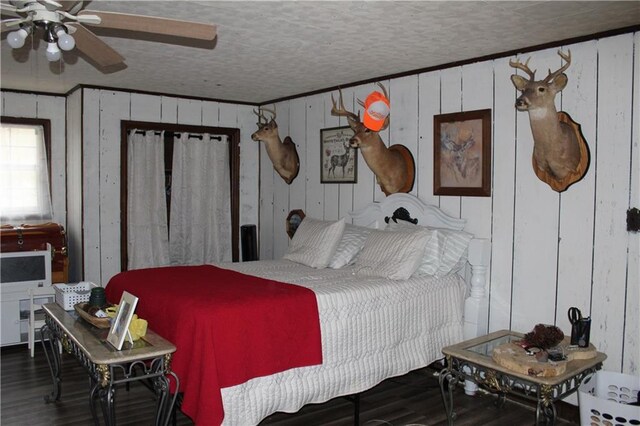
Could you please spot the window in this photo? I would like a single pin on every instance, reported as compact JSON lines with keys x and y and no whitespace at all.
{"x":24,"y":170}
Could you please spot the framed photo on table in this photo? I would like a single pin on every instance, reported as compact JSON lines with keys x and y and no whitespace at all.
{"x":338,"y":161}
{"x":462,"y":153}
{"x":120,"y":325}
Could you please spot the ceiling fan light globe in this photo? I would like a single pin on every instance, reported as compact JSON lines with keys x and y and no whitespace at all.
{"x":16,"y":38}
{"x":53,"y":52}
{"x":66,"y":42}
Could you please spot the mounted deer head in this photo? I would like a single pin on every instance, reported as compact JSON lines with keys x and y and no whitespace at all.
{"x":283,"y":155}
{"x":560,"y":154}
{"x":393,"y":166}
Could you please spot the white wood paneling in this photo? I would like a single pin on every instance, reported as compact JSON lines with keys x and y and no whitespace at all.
{"x":280,"y":191}
{"x":428,"y":106}
{"x":331,"y":200}
{"x":631,"y":350}
{"x":503,"y":195}
{"x":615,"y":66}
{"x":74,"y":185}
{"x":210,"y":113}
{"x":535,"y":229}
{"x":169,"y":109}
{"x":403,"y":123}
{"x":451,"y":101}
{"x":190,"y":111}
{"x":114,"y":107}
{"x":91,"y":184}
{"x":576,"y":227}
{"x":297,"y":131}
{"x":315,"y":190}
{"x":249,"y":151}
{"x":477,"y":93}
{"x":146,"y":107}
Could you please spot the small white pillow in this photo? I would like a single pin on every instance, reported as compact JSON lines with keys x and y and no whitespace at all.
{"x":393,"y":255}
{"x":431,"y":257}
{"x":315,"y":242}
{"x":454,"y":254}
{"x":350,"y":245}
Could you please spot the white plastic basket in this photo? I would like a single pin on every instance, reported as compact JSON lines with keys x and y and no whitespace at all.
{"x":603,"y":399}
{"x":68,"y":295}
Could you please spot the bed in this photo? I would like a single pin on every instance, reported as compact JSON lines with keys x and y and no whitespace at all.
{"x":371,"y":327}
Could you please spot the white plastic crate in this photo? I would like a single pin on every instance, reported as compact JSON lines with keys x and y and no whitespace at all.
{"x":604,"y":398}
{"x":68,"y":295}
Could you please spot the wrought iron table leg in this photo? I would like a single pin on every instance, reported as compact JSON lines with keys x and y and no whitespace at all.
{"x":50,"y":345}
{"x":502,"y":398}
{"x":546,"y":412}
{"x":92,"y":402}
{"x":165,"y":404}
{"x":447,"y":398}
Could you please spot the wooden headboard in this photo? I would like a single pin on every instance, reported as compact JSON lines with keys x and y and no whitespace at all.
{"x":411,"y":208}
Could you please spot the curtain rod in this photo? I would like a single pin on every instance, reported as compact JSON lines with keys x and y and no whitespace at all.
{"x":176,"y":134}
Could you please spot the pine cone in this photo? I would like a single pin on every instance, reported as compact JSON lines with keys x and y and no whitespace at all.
{"x":544,"y":336}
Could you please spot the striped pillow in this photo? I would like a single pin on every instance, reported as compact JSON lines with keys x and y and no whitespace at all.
{"x":350,"y":245}
{"x":393,"y":255}
{"x":444,"y":253}
{"x":454,"y":254}
{"x":315,"y":242}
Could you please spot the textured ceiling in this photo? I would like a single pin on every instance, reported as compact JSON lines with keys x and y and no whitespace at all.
{"x":270,"y":50}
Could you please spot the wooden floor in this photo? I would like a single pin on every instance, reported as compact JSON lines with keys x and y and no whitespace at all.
{"x":407,"y":400}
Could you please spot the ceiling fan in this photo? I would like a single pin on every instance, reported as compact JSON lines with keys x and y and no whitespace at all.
{"x":64,"y":26}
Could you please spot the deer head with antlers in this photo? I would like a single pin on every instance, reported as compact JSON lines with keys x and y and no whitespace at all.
{"x":393,"y":166}
{"x":560,"y":153}
{"x":283,"y":155}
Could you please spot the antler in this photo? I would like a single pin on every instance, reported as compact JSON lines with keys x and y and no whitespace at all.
{"x":384,"y":92}
{"x":524,"y":67}
{"x":562,"y":69}
{"x":260,"y":117}
{"x":342,"y":112}
{"x":271,"y":111}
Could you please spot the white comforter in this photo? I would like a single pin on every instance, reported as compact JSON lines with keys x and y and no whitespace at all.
{"x":372,"y":329}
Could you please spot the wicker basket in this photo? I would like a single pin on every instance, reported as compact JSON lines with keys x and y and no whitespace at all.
{"x":604,"y":399}
{"x":67,"y":295}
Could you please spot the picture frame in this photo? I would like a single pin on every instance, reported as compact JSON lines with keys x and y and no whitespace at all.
{"x":120,"y":325}
{"x":338,"y":160}
{"x":293,"y":221}
{"x":462,"y":153}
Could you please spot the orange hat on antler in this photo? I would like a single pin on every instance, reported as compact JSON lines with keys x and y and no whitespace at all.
{"x":376,"y":110}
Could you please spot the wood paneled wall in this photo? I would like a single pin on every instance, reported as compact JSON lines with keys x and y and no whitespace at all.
{"x":102,"y":111}
{"x":551,"y":251}
{"x":52,"y":108}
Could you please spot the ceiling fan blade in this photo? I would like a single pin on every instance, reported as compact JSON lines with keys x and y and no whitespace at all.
{"x":94,"y":48}
{"x":9,"y":10}
{"x":14,"y":24}
{"x":154,"y":25}
{"x":67,"y":6}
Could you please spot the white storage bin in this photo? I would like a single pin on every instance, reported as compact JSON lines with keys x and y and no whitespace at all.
{"x":68,"y":295}
{"x":603,"y":399}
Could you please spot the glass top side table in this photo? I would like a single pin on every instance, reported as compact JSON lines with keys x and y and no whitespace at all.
{"x":472,"y":360}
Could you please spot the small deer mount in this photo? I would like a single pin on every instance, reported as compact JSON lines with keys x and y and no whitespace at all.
{"x":394,"y":166}
{"x":560,"y":153}
{"x":283,"y":155}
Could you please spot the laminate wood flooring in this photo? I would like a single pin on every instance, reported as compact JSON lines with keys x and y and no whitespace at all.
{"x":412,"y":399}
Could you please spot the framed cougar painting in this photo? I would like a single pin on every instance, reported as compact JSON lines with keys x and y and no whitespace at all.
{"x":338,"y":161}
{"x":462,"y":153}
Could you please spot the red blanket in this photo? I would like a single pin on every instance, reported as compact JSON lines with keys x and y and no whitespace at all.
{"x":228,"y":328}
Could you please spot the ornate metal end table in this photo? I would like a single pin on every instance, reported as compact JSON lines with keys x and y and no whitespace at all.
{"x":471,"y":360}
{"x":148,"y":360}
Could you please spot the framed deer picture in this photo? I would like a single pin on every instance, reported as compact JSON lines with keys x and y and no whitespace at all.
{"x":462,"y":153}
{"x":338,"y":160}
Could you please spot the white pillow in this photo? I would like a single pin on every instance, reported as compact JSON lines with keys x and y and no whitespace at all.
{"x":394,"y":255}
{"x":315,"y":242}
{"x":445,"y":253}
{"x":431,"y":257}
{"x":350,"y":245}
{"x":454,"y":254}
